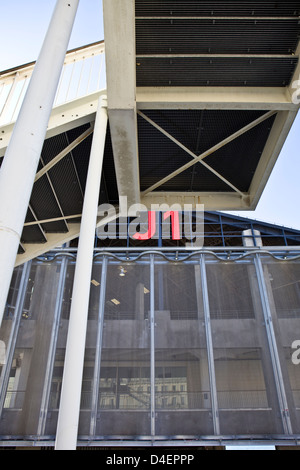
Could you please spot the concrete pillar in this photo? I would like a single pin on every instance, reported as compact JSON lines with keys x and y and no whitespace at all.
{"x":23,"y":153}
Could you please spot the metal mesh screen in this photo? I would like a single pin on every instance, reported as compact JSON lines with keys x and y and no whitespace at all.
{"x":90,"y":374}
{"x":59,"y":346}
{"x":124,"y":381}
{"x":246,"y":388}
{"x":177,"y":349}
{"x":182,"y":388}
{"x":28,"y":364}
{"x":9,"y":317}
{"x":283,"y":284}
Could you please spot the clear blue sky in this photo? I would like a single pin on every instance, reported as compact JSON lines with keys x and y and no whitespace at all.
{"x":24,"y":24}
{"x":23,"y":27}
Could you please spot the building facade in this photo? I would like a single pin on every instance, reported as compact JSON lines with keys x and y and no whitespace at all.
{"x":183,"y":332}
{"x":197,"y":346}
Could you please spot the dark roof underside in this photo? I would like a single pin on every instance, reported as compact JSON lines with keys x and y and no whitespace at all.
{"x":199,"y":130}
{"x":239,"y":30}
{"x":60,"y":192}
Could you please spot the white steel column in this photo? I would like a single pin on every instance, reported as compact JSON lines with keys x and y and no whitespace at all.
{"x":210,"y":349}
{"x":152,"y":347}
{"x":23,"y":153}
{"x":68,"y":419}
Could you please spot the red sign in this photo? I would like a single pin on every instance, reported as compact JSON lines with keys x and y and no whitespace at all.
{"x":152,"y":226}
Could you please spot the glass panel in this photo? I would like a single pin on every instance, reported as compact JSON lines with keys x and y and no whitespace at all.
{"x":182,"y":389}
{"x":27,"y":375}
{"x":124,"y":386}
{"x":283,"y":285}
{"x":246,"y":389}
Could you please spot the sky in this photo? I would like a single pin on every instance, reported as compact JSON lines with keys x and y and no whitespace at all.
{"x":23,"y":28}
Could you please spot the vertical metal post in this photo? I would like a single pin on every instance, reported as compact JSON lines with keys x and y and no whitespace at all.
{"x":210,"y":349}
{"x":23,"y":153}
{"x":152,"y":346}
{"x":14,"y":333}
{"x":52,"y":348}
{"x":98,"y":352}
{"x":68,"y":419}
{"x":287,"y":425}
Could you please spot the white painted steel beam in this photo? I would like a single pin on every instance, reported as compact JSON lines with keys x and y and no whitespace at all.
{"x":120,"y":53}
{"x":240,"y":98}
{"x":63,"y":118}
{"x":226,"y":201}
{"x":68,"y":419}
{"x":278,"y":135}
{"x":22,"y":157}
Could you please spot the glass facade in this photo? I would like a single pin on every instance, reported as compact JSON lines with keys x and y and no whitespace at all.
{"x":178,"y":346}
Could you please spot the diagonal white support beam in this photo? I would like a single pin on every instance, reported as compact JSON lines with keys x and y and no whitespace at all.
{"x":278,"y":135}
{"x":64,"y":153}
{"x":36,"y":222}
{"x":119,"y":29}
{"x":56,"y":219}
{"x":200,"y":158}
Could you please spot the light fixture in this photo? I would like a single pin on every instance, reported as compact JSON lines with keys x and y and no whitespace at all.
{"x":115,"y":301}
{"x":122,"y":271}
{"x":146,"y":291}
{"x":95,"y":283}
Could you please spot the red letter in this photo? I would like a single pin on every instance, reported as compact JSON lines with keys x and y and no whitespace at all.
{"x":151,"y":228}
{"x":175,"y":223}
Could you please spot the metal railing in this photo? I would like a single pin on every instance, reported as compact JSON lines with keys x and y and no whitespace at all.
{"x":242,"y":399}
{"x":83,"y":73}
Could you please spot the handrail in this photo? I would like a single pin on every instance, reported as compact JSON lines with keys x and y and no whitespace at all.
{"x":224,"y":254}
{"x":83,"y":73}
